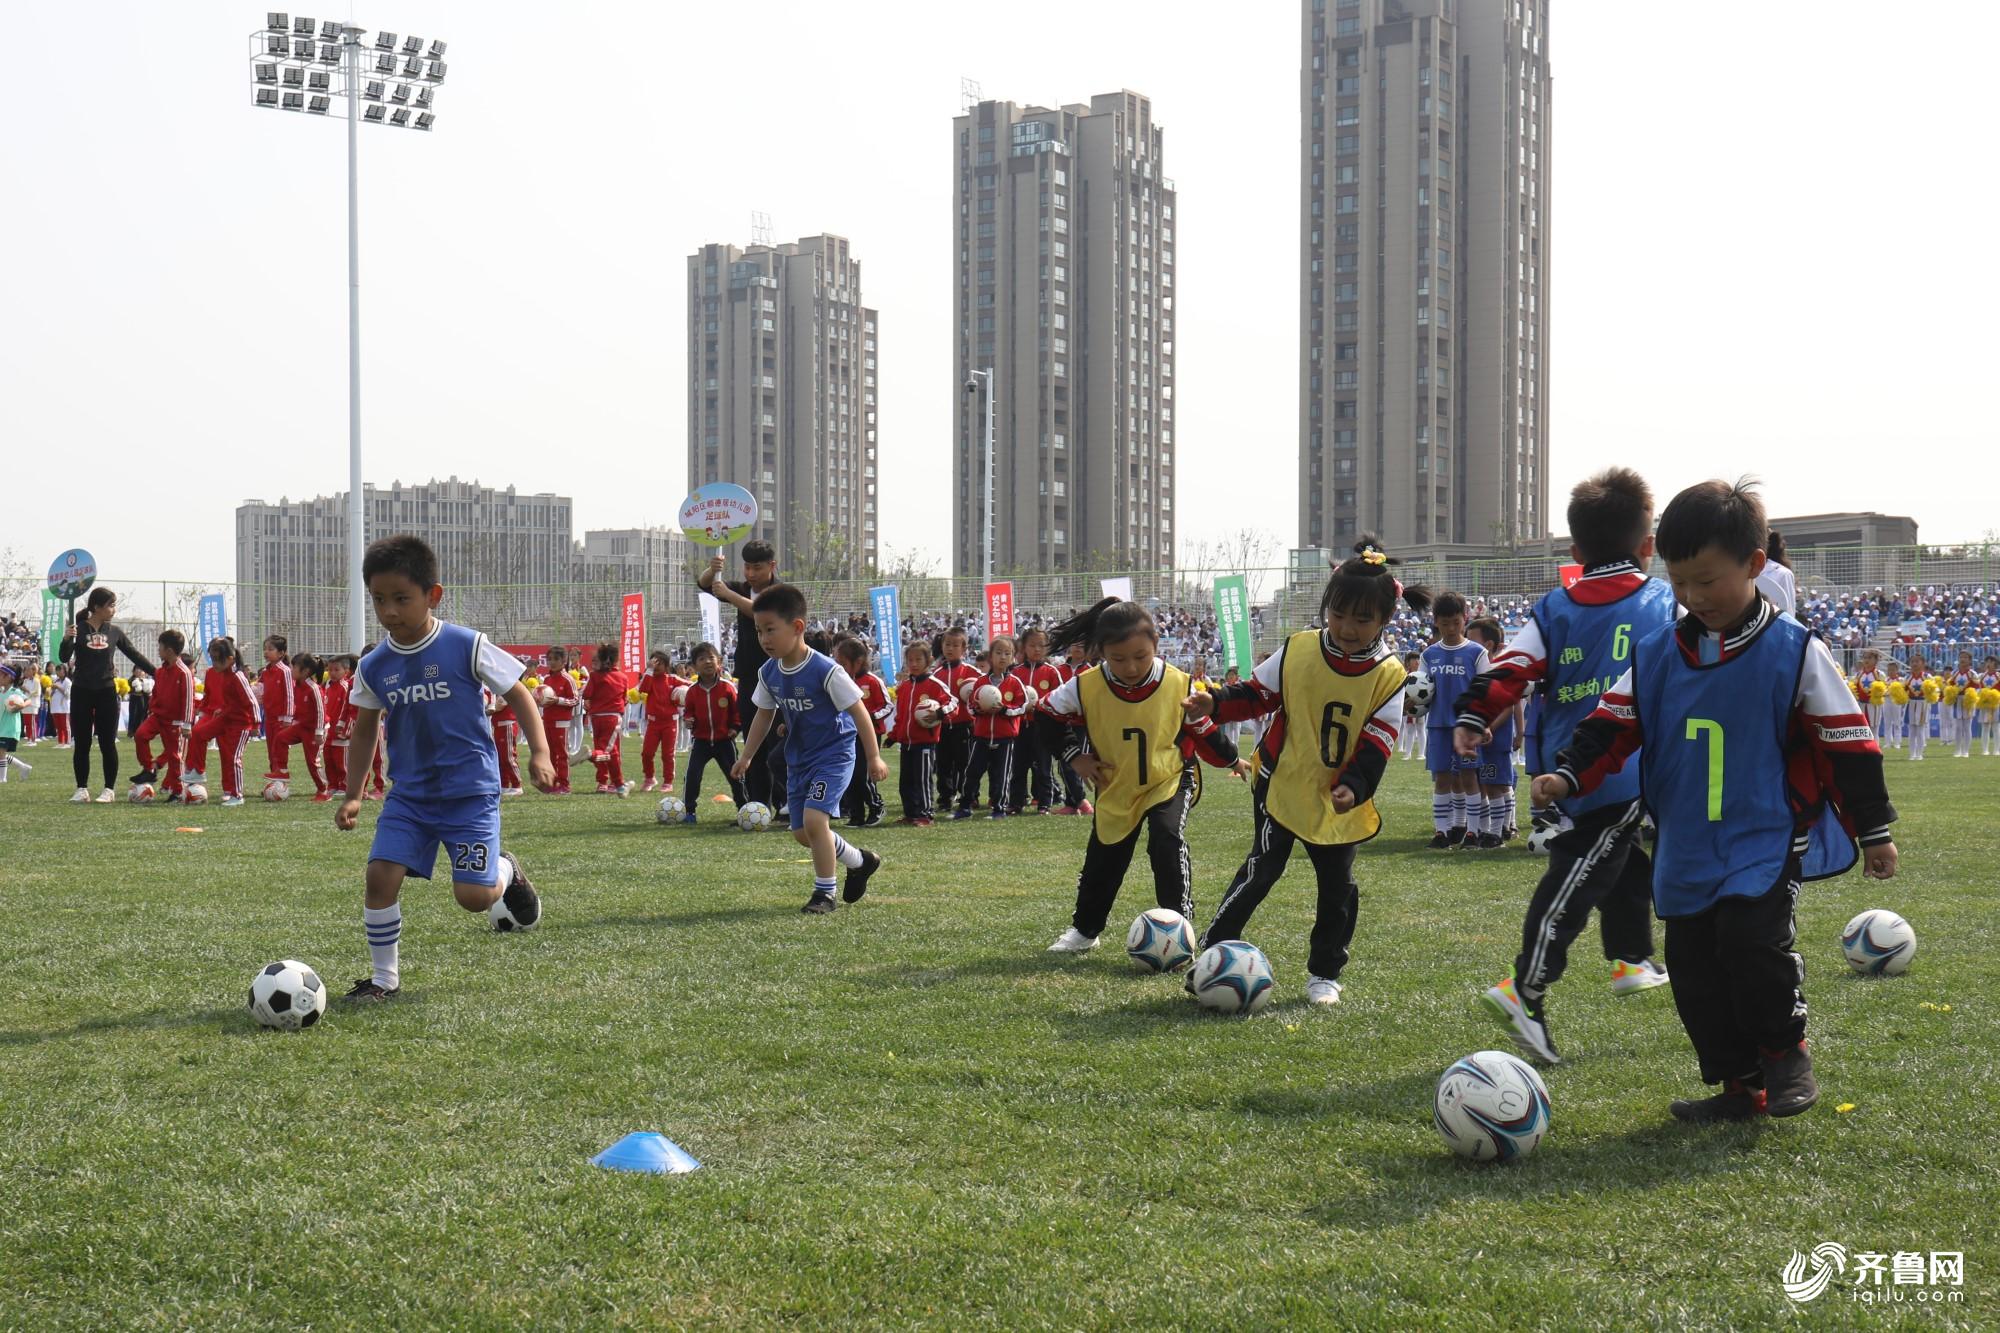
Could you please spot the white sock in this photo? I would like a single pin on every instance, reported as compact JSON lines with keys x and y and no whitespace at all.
{"x":1441,"y":811}
{"x":846,"y":853}
{"x":1459,"y":801}
{"x":4,"y":770}
{"x":384,"y":926}
{"x":15,"y":761}
{"x":506,"y":869}
{"x":823,"y":888}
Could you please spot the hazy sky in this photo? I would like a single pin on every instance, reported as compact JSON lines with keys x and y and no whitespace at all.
{"x":1769,"y":236}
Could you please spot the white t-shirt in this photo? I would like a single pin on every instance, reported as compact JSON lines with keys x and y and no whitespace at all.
{"x":1778,"y":584}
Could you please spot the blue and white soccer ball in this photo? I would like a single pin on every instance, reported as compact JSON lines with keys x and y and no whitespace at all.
{"x":287,"y":995}
{"x":671,"y":810}
{"x":1418,"y":691}
{"x":1232,"y":977}
{"x":1160,"y":940}
{"x":754,"y":817}
{"x":1491,"y":1106}
{"x":1878,"y":943}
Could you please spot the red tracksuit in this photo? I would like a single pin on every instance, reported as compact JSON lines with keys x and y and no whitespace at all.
{"x":955,"y":747}
{"x":663,"y":724}
{"x":335,"y":701}
{"x":556,"y":715}
{"x":505,"y":727}
{"x":307,"y":729}
{"x":228,"y":714}
{"x":604,"y":701}
{"x":170,"y":719}
{"x":876,"y":697}
{"x":904,"y":729}
{"x":275,"y":696}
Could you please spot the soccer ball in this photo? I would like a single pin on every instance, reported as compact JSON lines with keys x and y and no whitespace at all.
{"x":1160,"y":940}
{"x":929,"y":713}
{"x":143,"y":793}
{"x":287,"y":995}
{"x":753,"y":817}
{"x":276,"y":790}
{"x":680,"y":696}
{"x":671,"y":810}
{"x":1030,"y":696}
{"x":1418,"y":691}
{"x":1491,"y":1105}
{"x":965,"y":691}
{"x":504,"y":920}
{"x":1232,"y":977}
{"x":195,"y":794}
{"x":1879,"y":943}
{"x":988,"y":696}
{"x":1540,"y":840}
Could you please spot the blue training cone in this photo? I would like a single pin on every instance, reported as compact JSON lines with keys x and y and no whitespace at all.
{"x":654,"y":1154}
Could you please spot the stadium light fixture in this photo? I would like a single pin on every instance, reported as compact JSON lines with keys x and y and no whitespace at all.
{"x":291,"y":71}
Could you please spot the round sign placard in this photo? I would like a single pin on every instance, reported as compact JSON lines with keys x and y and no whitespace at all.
{"x":718,"y":514}
{"x":72,"y":573}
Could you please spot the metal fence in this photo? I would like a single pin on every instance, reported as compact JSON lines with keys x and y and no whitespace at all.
{"x":313,"y":619}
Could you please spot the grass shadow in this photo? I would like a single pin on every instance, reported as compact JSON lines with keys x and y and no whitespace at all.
{"x":233,"y":1021}
{"x":702,"y":917}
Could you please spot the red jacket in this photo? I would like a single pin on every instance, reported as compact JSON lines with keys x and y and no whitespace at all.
{"x":560,"y":708}
{"x":711,"y":710}
{"x":274,"y":686}
{"x":308,"y":708}
{"x":604,"y":692}
{"x":226,"y":694}
{"x":954,"y":676}
{"x":1006,"y":723}
{"x":173,"y":694}
{"x":877,"y":700}
{"x":659,"y":691}
{"x":339,"y":712}
{"x":912,"y":691}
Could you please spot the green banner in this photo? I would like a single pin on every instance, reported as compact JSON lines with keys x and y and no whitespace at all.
{"x":53,"y":614}
{"x":1232,"y":621}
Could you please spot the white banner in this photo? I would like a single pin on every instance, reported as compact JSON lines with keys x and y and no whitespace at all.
{"x":1121,"y":588}
{"x":711,"y":619}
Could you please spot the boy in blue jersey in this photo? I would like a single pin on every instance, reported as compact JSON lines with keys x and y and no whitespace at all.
{"x":1760,"y":770}
{"x":1451,"y":663}
{"x":422,"y":685}
{"x":1496,"y":756}
{"x":824,"y":717}
{"x":1577,"y":642}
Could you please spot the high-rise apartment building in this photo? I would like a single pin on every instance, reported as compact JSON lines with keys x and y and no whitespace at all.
{"x":656,"y":561}
{"x":781,"y":392}
{"x":1063,"y":242}
{"x":1424,"y":244}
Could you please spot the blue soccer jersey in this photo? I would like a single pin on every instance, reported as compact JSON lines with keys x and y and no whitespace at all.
{"x":1451,"y":670}
{"x":1589,"y":646}
{"x":812,"y":700}
{"x":434,"y":722}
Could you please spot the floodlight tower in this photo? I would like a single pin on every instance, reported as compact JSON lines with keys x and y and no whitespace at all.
{"x":292,"y":66}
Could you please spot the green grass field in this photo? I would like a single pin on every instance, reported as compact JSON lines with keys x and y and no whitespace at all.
{"x":909,"y":1114}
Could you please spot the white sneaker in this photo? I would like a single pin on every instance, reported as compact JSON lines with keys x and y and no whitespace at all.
{"x":106,"y":797}
{"x":1073,"y":941}
{"x":510,"y":791}
{"x":1628,"y":978}
{"x":82,"y":796}
{"x":1322,"y":990}
{"x":625,"y":790}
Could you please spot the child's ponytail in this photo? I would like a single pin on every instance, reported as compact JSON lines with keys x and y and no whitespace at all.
{"x":1109,"y":621}
{"x":1365,"y":584}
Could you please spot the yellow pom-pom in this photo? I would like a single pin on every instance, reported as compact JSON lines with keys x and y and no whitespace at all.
{"x":122,"y":685}
{"x":1989,"y":698}
{"x":47,"y":683}
{"x":1877,"y":692}
{"x":1899,"y":694}
{"x":1931,"y":691}
{"x":1951,"y":694}
{"x":534,"y":682}
{"x":633,"y":696}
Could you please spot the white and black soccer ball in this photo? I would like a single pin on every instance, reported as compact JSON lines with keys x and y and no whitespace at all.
{"x":929,"y":712}
{"x":277,"y":789}
{"x":965,"y":690}
{"x":754,"y":817}
{"x":143,"y":793}
{"x":988,"y":696}
{"x":671,"y":809}
{"x":1491,"y":1106}
{"x":194,"y":794}
{"x":1543,"y":837}
{"x":1160,"y":940}
{"x":1418,"y":691}
{"x":1878,"y":943}
{"x":287,"y":995}
{"x":1030,"y":695}
{"x":1232,"y":977}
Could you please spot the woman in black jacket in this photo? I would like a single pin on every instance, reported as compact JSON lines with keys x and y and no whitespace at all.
{"x":94,"y":697}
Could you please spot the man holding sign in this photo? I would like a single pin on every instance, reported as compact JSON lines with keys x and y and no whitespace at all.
{"x":766,"y":776}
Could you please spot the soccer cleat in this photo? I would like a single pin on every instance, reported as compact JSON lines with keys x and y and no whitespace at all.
{"x":820,"y":904}
{"x":603,"y":789}
{"x":1085,"y":808}
{"x":874,"y":819}
{"x":925,"y":822}
{"x":1066,"y":810}
{"x":1631,"y":978}
{"x":961,"y":813}
{"x":322,"y":797}
{"x":82,"y":796}
{"x":1734,"y":1102}
{"x":1440,"y":842}
{"x":1789,"y":1085}
{"x":520,"y":897}
{"x":232,"y":800}
{"x":1073,"y":940}
{"x":1323,"y":990}
{"x":999,"y":812}
{"x":1486,"y":842}
{"x":1531,"y":1029}
{"x":857,"y":878}
{"x":510,"y":791}
{"x":688,"y":818}
{"x":623,"y":790}
{"x":650,"y":784}
{"x":107,"y":796}
{"x":1456,"y":838}
{"x":365,"y":991}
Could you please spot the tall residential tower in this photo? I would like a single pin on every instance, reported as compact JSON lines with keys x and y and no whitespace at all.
{"x":781,"y":393}
{"x":1063,"y":244}
{"x":1424,"y":244}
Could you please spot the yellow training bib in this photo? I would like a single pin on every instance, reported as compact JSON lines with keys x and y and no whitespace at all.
{"x":1137,"y":746}
{"x":1324,"y":713}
